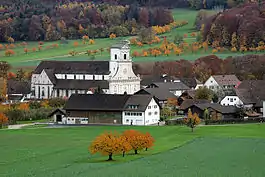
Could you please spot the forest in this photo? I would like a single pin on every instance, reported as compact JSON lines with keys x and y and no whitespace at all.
{"x":36,"y":21}
{"x":242,"y":26}
{"x":50,"y":20}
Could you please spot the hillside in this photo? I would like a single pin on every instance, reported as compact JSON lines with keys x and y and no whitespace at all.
{"x":33,"y":21}
{"x":237,"y":27}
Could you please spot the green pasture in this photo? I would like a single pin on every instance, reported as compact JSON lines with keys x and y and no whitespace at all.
{"x":216,"y":151}
{"x":30,"y":60}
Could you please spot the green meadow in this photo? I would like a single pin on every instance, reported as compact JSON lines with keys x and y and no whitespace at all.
{"x":214,"y":151}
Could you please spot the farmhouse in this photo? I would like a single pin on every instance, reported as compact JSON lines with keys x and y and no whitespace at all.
{"x":110,"y":109}
{"x":222,"y":82}
{"x":216,"y":111}
{"x":176,"y":87}
{"x":62,"y":78}
{"x":160,"y":94}
{"x":18,"y":91}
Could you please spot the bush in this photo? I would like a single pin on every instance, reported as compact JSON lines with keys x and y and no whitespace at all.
{"x":56,"y":102}
{"x":15,"y":115}
{"x":34,"y":105}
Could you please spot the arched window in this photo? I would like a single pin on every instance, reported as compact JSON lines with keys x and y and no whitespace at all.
{"x":116,"y":57}
{"x":38,"y":91}
{"x":125,"y":56}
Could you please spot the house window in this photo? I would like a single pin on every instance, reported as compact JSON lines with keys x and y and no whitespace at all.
{"x":140,"y":114}
{"x":149,"y":107}
{"x":116,"y":56}
{"x":228,"y":99}
{"x":125,"y":56}
{"x":155,"y":106}
{"x":67,"y":93}
{"x":156,"y":113}
{"x":127,"y":120}
{"x":58,"y":93}
{"x":235,"y":99}
{"x":231,"y":99}
{"x":149,"y":113}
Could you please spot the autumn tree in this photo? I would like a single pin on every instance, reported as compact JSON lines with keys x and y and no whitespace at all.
{"x":136,"y":140}
{"x":112,"y":36}
{"x":26,"y":50}
{"x":106,"y":144}
{"x":148,"y":140}
{"x":234,"y":40}
{"x":9,"y":52}
{"x":3,"y":119}
{"x":21,"y":74}
{"x":192,"y":120}
{"x":125,"y":146}
{"x":91,"y":42}
{"x":203,"y":93}
{"x":10,"y":40}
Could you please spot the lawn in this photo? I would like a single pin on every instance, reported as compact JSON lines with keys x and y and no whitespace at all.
{"x":235,"y":150}
{"x":30,"y":60}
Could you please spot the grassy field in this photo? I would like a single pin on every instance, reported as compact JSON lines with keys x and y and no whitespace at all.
{"x":20,"y":59}
{"x":235,"y":150}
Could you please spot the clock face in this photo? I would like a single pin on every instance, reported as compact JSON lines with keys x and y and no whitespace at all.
{"x":124,"y":71}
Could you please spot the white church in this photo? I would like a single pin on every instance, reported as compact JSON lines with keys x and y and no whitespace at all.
{"x":62,"y":78}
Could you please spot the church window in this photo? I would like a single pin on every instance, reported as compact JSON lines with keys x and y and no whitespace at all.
{"x":48,"y":92}
{"x":93,"y":77}
{"x":83,"y":77}
{"x":125,"y":56}
{"x":116,"y":56}
{"x":67,"y":93}
{"x":58,"y":93}
{"x":103,"y":77}
{"x":43,"y":93}
{"x":39,"y":92}
{"x":74,"y":76}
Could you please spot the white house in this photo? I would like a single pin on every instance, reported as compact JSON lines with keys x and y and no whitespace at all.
{"x":64,"y":78}
{"x":109,"y":109}
{"x":222,"y":82}
{"x":141,"y":110}
{"x":231,"y":101}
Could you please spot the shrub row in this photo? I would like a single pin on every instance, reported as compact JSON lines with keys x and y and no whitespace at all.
{"x":223,"y":121}
{"x":15,"y":115}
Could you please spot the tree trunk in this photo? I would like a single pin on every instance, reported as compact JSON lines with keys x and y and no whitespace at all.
{"x":110,"y":157}
{"x":192,"y":129}
{"x":135,"y":152}
{"x":145,"y":149}
{"x":123,"y":153}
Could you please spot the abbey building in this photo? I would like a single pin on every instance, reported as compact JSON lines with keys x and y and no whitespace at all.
{"x":62,"y":78}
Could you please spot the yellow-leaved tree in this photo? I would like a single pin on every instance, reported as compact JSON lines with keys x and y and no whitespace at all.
{"x":192,"y":120}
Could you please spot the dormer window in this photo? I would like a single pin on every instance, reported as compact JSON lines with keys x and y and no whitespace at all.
{"x":125,"y":56}
{"x":116,"y":57}
{"x":133,"y":106}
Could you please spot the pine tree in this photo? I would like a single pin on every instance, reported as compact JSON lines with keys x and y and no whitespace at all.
{"x":234,"y":40}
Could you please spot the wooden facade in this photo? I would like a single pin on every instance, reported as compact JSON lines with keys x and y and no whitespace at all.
{"x":101,"y":117}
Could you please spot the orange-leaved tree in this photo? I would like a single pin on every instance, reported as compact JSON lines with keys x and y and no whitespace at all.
{"x":149,"y":141}
{"x":106,"y":144}
{"x":192,"y":120}
{"x":3,"y":119}
{"x":136,"y":140}
{"x":124,"y":145}
{"x":112,"y":36}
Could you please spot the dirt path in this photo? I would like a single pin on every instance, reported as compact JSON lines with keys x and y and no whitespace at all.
{"x":18,"y":126}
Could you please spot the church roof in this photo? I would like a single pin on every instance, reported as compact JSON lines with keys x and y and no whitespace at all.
{"x":81,"y":84}
{"x":74,"y":67}
{"x":18,"y":87}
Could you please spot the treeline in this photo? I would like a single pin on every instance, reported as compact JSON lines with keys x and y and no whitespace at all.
{"x":29,"y":20}
{"x":243,"y":26}
{"x":248,"y":67}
